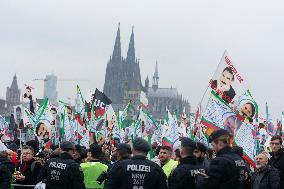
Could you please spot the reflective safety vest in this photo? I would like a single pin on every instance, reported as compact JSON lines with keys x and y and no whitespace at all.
{"x":92,"y":171}
{"x":169,"y":167}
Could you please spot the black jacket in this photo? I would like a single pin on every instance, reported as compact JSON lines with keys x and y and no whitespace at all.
{"x":183,"y":176}
{"x":277,"y":161}
{"x":30,"y":170}
{"x":225,"y":171}
{"x":62,"y":173}
{"x":6,"y":171}
{"x":267,"y":178}
{"x":137,"y":172}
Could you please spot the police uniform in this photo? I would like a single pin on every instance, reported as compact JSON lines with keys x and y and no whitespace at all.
{"x":137,"y":172}
{"x":226,"y":170}
{"x":184,"y":175}
{"x":63,"y":172}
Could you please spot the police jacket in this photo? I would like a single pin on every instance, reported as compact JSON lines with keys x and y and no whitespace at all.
{"x":62,"y":173}
{"x":225,"y":171}
{"x":183,"y":176}
{"x":136,"y":173}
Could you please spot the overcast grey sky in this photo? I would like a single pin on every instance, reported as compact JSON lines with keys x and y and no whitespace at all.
{"x":74,"y":39}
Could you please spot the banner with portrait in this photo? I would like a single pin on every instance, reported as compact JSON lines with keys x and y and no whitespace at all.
{"x":228,"y":104}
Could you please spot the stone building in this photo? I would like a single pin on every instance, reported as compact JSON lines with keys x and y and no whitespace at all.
{"x":123,"y":83}
{"x":122,"y":74}
{"x":13,"y":95}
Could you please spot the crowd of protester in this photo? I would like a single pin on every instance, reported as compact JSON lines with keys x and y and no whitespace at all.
{"x":193,"y":165}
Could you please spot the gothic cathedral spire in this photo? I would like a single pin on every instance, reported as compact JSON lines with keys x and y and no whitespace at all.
{"x":116,"y":55}
{"x":131,"y":49}
{"x":14,"y":83}
{"x":155,"y":83}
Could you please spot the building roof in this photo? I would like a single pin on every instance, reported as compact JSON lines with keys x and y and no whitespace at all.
{"x":163,"y":92}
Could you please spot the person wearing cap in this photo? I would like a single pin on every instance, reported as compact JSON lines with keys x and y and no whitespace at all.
{"x":63,"y":172}
{"x":77,"y":154}
{"x":184,"y":174}
{"x":94,"y":167}
{"x":137,"y":172}
{"x":166,"y":162}
{"x":122,"y":152}
{"x":226,"y":170}
{"x":200,"y":154}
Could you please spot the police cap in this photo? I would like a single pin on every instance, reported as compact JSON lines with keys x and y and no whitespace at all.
{"x":187,"y":142}
{"x":124,"y":147}
{"x":218,"y":133}
{"x":67,"y":146}
{"x":201,"y":147}
{"x":140,"y":144}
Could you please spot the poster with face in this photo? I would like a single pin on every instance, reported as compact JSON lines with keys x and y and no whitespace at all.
{"x":28,"y":98}
{"x":18,"y":114}
{"x":28,"y":92}
{"x":46,"y":129}
{"x":228,"y":104}
{"x":43,"y":132}
{"x":229,"y":88}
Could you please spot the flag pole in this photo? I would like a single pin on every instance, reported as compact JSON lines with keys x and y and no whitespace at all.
{"x":212,"y":77}
{"x":203,"y":96}
{"x":21,"y":146}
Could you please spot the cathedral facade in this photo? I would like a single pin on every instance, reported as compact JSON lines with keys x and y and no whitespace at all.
{"x":123,"y":84}
{"x":122,"y":74}
{"x":13,"y":95}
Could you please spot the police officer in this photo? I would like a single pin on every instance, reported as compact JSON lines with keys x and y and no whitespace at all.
{"x":137,"y":172}
{"x":122,"y":152}
{"x":63,"y":172}
{"x":226,"y":170}
{"x":184,"y":175}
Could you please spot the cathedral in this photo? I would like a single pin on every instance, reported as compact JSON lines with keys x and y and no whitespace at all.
{"x":123,"y":84}
{"x":122,"y":74}
{"x":13,"y":95}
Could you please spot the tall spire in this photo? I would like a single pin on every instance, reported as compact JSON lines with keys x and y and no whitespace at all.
{"x":131,"y":48}
{"x":147,"y":82}
{"x":14,"y":83}
{"x":116,"y":55}
{"x":155,"y":83}
{"x":156,"y":71}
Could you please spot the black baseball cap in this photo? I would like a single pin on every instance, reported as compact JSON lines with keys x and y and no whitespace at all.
{"x":187,"y":142}
{"x":124,"y":147}
{"x":218,"y":133}
{"x":67,"y":145}
{"x":140,"y":144}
